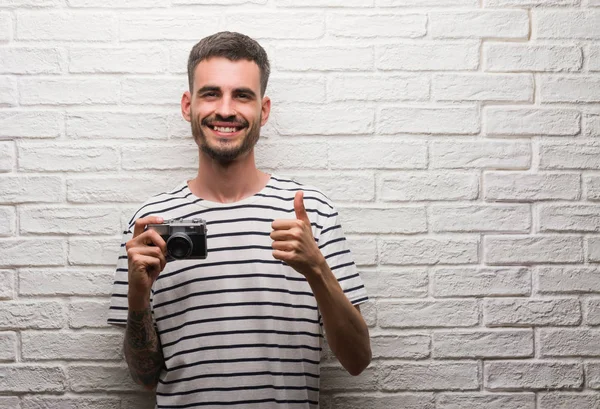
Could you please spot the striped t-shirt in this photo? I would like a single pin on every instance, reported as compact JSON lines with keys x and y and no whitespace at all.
{"x":240,"y":329}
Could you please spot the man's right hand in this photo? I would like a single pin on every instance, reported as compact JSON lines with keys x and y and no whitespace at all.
{"x":146,"y":253}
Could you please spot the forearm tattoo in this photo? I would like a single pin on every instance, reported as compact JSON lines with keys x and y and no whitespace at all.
{"x":142,"y":348}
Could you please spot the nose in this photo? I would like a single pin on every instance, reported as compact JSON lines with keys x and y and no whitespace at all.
{"x":225,"y":107}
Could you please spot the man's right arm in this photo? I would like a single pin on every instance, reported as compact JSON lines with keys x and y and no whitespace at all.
{"x":142,"y":348}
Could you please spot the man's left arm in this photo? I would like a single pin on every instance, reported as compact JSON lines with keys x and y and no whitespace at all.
{"x":345,"y":329}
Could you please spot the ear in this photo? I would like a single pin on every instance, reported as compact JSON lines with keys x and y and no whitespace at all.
{"x":266,"y":110}
{"x":186,"y":104}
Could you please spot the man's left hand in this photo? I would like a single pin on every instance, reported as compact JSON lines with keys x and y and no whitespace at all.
{"x":294,"y":243}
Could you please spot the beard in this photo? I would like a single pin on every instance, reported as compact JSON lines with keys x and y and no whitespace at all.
{"x":225,"y":152}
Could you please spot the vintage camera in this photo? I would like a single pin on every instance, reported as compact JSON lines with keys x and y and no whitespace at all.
{"x":186,"y":239}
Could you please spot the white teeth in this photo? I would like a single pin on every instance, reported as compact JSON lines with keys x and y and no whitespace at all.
{"x":223,"y":129}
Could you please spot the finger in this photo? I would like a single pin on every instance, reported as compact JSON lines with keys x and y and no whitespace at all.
{"x":299,"y":207}
{"x":281,"y":255}
{"x":140,"y":224}
{"x":151,"y":265}
{"x":148,"y":238}
{"x":283,"y":245}
{"x":284,"y":224}
{"x":282,"y":235}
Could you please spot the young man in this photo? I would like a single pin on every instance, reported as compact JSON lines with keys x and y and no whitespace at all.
{"x":242,"y":328}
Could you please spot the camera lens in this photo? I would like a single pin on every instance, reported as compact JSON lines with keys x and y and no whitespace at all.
{"x":179,"y":246}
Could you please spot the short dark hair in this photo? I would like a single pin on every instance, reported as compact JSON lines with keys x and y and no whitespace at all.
{"x":234,"y":47}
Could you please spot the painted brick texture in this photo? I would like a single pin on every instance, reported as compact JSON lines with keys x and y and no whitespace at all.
{"x":460,"y":140}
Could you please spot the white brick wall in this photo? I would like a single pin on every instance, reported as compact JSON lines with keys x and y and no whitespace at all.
{"x":460,"y":139}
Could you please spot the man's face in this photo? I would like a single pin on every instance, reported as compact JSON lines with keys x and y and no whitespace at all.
{"x":226,"y":109}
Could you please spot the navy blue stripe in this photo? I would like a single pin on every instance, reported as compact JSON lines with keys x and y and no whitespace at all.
{"x":119,"y":295}
{"x":354,"y":288}
{"x":337,"y":254}
{"x":238,"y":318}
{"x":360,"y":300}
{"x":238,"y":402}
{"x":159,"y":202}
{"x":240,"y":360}
{"x":291,"y":199}
{"x":243,"y":233}
{"x":248,"y":331}
{"x":348,"y":277}
{"x":236,"y":374}
{"x":219,"y":263}
{"x":330,"y":229}
{"x":342,"y":265}
{"x":332,"y":242}
{"x":228,"y":277}
{"x":240,"y":388}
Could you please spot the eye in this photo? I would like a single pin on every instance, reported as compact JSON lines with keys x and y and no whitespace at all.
{"x":243,"y":96}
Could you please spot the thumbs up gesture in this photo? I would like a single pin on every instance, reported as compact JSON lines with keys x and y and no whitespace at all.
{"x":294,"y":243}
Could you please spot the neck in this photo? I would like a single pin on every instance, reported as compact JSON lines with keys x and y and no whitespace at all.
{"x":230,"y":182}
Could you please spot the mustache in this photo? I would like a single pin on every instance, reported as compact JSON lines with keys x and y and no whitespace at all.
{"x":232,"y":120}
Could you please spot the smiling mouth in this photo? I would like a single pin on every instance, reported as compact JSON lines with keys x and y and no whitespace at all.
{"x":226,"y":129}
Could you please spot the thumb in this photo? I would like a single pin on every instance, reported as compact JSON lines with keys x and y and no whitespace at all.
{"x":299,"y":207}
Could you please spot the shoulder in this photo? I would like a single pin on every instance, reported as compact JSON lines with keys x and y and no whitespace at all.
{"x":159,"y":203}
{"x":314,"y":198}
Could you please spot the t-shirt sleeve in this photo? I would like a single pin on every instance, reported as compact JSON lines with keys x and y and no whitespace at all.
{"x":334,"y":247}
{"x":117,"y":313}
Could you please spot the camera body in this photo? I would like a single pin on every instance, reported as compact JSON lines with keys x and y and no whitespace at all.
{"x":186,"y":239}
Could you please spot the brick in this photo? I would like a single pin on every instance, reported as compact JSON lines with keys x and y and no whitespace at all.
{"x":117,"y":3}
{"x":481,"y":282}
{"x":7,"y":156}
{"x":594,"y":58}
{"x":404,"y":401}
{"x":478,"y":154}
{"x":342,"y":186}
{"x":569,"y":218}
{"x":9,"y":402}
{"x":593,"y":249}
{"x":167,"y":26}
{"x":30,"y":189}
{"x":291,"y":155}
{"x":483,"y":87}
{"x":32,"y":315}
{"x":378,"y":155}
{"x":66,"y":156}
{"x":570,"y":155}
{"x":54,"y":402}
{"x":8,"y":221}
{"x":409,"y":346}
{"x":530,"y":312}
{"x":515,"y":121}
{"x":558,"y":400}
{"x":89,"y":314}
{"x":337,"y":379}
{"x":513,"y":57}
{"x":364,"y":250}
{"x":30,"y":124}
{"x":68,"y":220}
{"x":488,"y":401}
{"x":483,"y":344}
{"x":569,"y":89}
{"x":569,"y":280}
{"x":426,"y":120}
{"x":591,"y":125}
{"x":569,"y":343}
{"x":8,"y":91}
{"x":294,"y":88}
{"x":323,"y":58}
{"x":64,"y":26}
{"x":68,"y":91}
{"x":592,"y":308}
{"x":369,"y":313}
{"x":30,"y":378}
{"x":153,"y":91}
{"x":96,"y":378}
{"x":427,"y":314}
{"x":70,"y":346}
{"x":31,"y":60}
{"x":93,"y":251}
{"x":428,"y":56}
{"x":136,"y":157}
{"x":482,"y":218}
{"x":352,"y":119}
{"x":377,"y":25}
{"x":8,"y":348}
{"x":533,"y":249}
{"x":429,"y":250}
{"x":533,"y":375}
{"x":479,"y":24}
{"x":568,"y":24}
{"x":30,"y":3}
{"x":397,"y":283}
{"x":424,"y":3}
{"x":277,"y":25}
{"x":32,"y":252}
{"x":65,"y":282}
{"x":117,"y":60}
{"x":7,"y":284}
{"x":430,"y":376}
{"x":529,"y":3}
{"x":6,"y":27}
{"x":416,"y":186}
{"x":385,"y":87}
{"x":399,"y":220}
{"x":121,"y":125}
{"x":592,"y":374}
{"x":516,"y":186}
{"x":321,"y":3}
